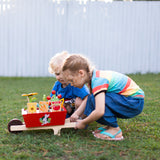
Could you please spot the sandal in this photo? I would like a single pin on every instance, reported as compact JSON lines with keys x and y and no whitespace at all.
{"x":109,"y":136}
{"x":100,"y":129}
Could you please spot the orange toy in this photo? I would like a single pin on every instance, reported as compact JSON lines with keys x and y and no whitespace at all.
{"x":43,"y":106}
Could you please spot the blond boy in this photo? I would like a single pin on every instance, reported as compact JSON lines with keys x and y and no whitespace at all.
{"x":73,"y":96}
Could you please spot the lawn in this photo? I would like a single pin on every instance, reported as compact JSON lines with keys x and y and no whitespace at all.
{"x":142,"y":133}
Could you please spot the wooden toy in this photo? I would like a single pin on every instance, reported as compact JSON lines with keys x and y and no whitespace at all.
{"x":30,"y":97}
{"x":32,"y":107}
{"x":48,"y":114}
{"x":43,"y":106}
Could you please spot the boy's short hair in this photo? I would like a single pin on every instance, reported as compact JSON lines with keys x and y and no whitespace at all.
{"x":76,"y":62}
{"x":56,"y":62}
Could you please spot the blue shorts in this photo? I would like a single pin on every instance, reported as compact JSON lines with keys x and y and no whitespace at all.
{"x":116,"y":106}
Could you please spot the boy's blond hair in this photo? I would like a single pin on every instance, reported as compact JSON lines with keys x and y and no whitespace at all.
{"x":56,"y":62}
{"x":77,"y":62}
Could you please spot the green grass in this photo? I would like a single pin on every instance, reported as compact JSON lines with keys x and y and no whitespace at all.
{"x":142,"y":133}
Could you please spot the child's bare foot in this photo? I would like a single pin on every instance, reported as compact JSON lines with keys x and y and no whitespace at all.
{"x":110,"y":134}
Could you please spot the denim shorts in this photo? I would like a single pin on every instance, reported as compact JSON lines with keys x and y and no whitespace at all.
{"x":116,"y":106}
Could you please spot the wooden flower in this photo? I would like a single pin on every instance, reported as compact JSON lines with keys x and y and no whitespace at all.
{"x":32,"y":108}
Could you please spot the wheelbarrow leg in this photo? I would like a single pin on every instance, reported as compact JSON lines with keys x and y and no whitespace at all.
{"x":57,"y":131}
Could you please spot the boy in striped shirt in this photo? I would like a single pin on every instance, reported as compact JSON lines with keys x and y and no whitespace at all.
{"x":114,"y":95}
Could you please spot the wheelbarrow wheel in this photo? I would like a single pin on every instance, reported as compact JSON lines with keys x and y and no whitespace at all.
{"x":12,"y":123}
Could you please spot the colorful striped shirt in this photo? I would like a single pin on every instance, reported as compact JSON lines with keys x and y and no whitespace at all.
{"x":111,"y":81}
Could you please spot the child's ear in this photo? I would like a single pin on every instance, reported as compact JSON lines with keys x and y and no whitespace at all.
{"x":81,"y":72}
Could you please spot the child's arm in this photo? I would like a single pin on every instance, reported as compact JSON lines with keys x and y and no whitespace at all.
{"x":79,"y":111}
{"x":96,"y":114}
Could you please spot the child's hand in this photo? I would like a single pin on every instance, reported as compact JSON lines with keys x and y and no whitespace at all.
{"x":74,"y":117}
{"x":80,"y":124}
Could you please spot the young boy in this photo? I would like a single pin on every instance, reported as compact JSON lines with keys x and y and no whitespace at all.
{"x":114,"y":96}
{"x":73,"y":96}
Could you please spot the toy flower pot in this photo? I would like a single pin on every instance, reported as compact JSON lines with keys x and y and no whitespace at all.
{"x":56,"y":106}
{"x":43,"y":106}
{"x":32,"y":107}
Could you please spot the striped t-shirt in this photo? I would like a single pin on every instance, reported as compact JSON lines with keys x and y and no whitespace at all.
{"x":111,"y":81}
